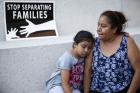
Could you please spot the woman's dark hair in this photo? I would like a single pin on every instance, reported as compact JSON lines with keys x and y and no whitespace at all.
{"x":116,"y":19}
{"x":83,"y":36}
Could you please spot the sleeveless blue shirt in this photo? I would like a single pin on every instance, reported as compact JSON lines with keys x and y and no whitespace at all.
{"x":111,"y":74}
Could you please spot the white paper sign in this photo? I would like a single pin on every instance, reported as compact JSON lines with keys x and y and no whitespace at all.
{"x":25,"y":20}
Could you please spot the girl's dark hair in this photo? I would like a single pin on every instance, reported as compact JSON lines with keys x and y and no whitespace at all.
{"x":83,"y":36}
{"x":116,"y":19}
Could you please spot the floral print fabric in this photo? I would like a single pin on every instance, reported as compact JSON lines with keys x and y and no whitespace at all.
{"x":111,"y":74}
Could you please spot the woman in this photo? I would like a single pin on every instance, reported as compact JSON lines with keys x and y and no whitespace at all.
{"x":114,"y":64}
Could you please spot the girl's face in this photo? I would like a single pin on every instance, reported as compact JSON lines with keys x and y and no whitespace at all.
{"x":83,"y":48}
{"x":104,"y":29}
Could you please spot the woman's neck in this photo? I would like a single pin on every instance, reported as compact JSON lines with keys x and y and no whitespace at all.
{"x":110,"y":40}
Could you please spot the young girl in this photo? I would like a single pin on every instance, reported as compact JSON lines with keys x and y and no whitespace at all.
{"x":69,"y":70}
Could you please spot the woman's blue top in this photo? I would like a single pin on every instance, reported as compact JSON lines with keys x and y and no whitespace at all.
{"x":111,"y":74}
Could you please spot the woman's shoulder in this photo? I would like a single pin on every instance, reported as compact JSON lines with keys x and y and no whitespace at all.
{"x":130,"y":40}
{"x":97,"y":40}
{"x":127,"y":37}
{"x":132,"y":44}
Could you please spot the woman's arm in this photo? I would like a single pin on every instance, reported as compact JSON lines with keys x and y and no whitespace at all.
{"x":134,"y":59}
{"x":87,"y":73}
{"x":65,"y":81}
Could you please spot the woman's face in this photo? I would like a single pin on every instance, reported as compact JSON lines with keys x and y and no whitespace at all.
{"x":104,"y":29}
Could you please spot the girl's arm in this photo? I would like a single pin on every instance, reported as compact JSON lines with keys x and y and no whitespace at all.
{"x":87,"y":73}
{"x":65,"y":81}
{"x":134,"y":58}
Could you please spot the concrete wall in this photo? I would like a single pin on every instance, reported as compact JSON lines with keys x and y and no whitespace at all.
{"x":25,"y":70}
{"x":130,"y":9}
{"x":26,"y":65}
